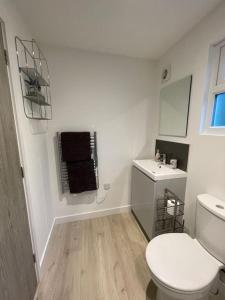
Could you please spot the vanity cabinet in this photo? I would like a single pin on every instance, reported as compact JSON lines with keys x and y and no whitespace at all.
{"x":142,"y":200}
{"x":144,"y":195}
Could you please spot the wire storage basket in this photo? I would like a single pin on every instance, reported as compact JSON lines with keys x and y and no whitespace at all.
{"x":34,"y":80}
{"x":169,"y":214}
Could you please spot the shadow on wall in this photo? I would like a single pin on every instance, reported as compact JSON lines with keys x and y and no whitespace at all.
{"x":118,"y":190}
{"x":57,"y":163}
{"x":82,"y":198}
{"x":148,"y":151}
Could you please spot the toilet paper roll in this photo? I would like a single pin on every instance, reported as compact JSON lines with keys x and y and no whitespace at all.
{"x":171,"y":207}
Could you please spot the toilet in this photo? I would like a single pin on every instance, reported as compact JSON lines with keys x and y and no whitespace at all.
{"x":185,"y":268}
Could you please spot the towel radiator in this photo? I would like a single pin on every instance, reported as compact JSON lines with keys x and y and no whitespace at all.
{"x":63,"y":168}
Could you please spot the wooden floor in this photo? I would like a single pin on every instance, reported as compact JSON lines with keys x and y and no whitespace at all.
{"x":97,"y":259}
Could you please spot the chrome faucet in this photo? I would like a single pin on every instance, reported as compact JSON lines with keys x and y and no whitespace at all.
{"x":162,"y":159}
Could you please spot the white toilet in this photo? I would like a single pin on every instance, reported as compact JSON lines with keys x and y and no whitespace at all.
{"x":186,"y":268}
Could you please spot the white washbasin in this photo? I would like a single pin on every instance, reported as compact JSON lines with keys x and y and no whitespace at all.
{"x":156,"y":171}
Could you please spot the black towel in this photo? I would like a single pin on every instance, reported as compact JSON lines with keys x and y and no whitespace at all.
{"x":75,"y":146}
{"x":81,"y":176}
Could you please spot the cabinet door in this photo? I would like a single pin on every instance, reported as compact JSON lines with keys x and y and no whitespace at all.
{"x":142,"y":200}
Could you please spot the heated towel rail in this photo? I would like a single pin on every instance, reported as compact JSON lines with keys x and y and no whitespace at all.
{"x":63,"y":167}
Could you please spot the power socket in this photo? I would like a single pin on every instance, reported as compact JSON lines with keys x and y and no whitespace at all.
{"x":106,"y":186}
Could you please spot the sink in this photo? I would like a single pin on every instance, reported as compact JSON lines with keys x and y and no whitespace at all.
{"x":158,"y":172}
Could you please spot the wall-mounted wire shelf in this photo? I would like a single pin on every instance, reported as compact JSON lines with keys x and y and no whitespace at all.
{"x":169,"y":214}
{"x":34,"y":80}
{"x":34,"y":75}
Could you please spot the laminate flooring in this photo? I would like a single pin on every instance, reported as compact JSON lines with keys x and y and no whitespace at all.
{"x":97,"y":259}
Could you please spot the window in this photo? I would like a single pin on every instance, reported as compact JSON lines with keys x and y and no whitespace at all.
{"x":218,"y":116}
{"x":215,"y":108}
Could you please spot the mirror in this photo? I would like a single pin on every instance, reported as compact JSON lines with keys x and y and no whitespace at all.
{"x":174,"y":108}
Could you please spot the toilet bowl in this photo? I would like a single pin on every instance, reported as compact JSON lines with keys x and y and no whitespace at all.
{"x":185,"y":268}
{"x":180,"y":267}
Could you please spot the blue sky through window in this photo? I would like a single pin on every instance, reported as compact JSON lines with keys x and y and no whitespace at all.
{"x":218,"y":117}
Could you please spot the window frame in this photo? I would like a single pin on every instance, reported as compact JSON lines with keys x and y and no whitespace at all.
{"x":214,"y":89}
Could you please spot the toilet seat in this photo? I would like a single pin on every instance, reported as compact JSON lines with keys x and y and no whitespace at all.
{"x":181,"y":264}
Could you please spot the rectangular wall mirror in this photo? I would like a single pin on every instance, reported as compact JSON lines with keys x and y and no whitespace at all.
{"x":174,"y":108}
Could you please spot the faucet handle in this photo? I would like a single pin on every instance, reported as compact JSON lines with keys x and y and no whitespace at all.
{"x":173,"y":163}
{"x":163,"y":159}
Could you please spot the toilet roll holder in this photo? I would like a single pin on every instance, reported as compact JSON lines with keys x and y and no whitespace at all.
{"x":169,"y":213}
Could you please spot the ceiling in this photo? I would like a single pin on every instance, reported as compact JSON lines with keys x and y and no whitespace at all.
{"x":136,"y":28}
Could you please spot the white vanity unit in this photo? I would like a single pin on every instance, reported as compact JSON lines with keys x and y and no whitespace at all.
{"x":149,"y":181}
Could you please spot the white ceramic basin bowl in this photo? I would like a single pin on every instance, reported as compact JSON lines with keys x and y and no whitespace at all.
{"x":158,"y":172}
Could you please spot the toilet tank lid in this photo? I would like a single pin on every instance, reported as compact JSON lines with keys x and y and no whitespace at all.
{"x":212,"y":204}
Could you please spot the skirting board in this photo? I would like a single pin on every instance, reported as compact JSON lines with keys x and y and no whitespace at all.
{"x":77,"y":217}
{"x":45,"y":248}
{"x":93,"y":214}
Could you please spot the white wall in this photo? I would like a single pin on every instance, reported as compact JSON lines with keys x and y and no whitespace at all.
{"x":112,"y":95}
{"x":206,"y":168}
{"x":32,"y":145}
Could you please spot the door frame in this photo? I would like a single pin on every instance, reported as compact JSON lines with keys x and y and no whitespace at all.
{"x":20,"y":149}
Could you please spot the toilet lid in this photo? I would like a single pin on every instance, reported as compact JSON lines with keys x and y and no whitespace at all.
{"x":181,"y":263}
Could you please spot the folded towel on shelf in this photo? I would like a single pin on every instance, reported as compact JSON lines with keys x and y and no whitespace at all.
{"x":81,"y":176}
{"x":75,"y":146}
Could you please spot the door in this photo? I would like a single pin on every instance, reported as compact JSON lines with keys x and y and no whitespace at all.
{"x":17,"y":270}
{"x":142,"y":200}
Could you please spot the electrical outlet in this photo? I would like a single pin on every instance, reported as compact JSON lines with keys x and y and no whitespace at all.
{"x":106,"y":186}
